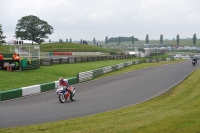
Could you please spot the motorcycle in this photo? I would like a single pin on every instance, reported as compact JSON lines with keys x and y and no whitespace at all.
{"x":194,"y":63}
{"x":63,"y":94}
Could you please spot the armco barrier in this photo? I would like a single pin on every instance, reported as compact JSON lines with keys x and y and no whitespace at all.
{"x":24,"y":91}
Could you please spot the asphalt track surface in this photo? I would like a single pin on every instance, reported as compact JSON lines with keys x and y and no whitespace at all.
{"x":94,"y":96}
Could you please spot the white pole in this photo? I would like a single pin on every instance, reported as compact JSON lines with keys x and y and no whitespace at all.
{"x":29,"y":53}
{"x":39,"y":52}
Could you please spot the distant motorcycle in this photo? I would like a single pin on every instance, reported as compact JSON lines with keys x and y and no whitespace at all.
{"x":194,"y":63}
{"x":63,"y":94}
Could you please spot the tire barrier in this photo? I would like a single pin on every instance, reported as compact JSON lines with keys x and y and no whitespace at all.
{"x":90,"y":59}
{"x":64,"y":60}
{"x":84,"y":76}
{"x":56,"y":61}
{"x":46,"y":62}
{"x":95,"y":58}
{"x":84,"y":59}
{"x":78,"y":59}
{"x":72,"y":60}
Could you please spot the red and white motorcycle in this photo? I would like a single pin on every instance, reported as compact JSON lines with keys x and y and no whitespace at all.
{"x":63,"y":94}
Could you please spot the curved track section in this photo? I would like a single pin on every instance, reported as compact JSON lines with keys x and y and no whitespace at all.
{"x":95,"y":96}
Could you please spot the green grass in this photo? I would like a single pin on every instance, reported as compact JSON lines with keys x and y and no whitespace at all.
{"x":176,"y":111}
{"x":4,"y":49}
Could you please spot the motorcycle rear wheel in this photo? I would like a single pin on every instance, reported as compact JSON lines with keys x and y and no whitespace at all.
{"x":61,"y":98}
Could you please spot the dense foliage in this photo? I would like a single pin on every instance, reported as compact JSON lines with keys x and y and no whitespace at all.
{"x":177,"y":39}
{"x":32,"y":28}
{"x":122,"y":39}
{"x":2,"y":41}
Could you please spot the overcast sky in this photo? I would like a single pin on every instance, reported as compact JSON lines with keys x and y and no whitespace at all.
{"x":86,"y":19}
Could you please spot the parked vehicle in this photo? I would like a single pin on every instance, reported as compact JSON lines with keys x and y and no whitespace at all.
{"x":185,"y":57}
{"x":63,"y":94}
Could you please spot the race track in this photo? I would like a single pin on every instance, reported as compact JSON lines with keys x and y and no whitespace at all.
{"x":95,"y":96}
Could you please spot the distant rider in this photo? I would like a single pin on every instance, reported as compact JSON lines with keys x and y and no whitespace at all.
{"x":195,"y":60}
{"x":64,"y":84}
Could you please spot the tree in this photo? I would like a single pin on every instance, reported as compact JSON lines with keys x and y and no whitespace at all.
{"x":132,"y":40}
{"x":81,"y":41}
{"x":194,"y":39}
{"x":119,"y":40}
{"x":147,"y":39}
{"x":123,"y":39}
{"x":32,"y":28}
{"x":106,"y":40}
{"x":60,"y":40}
{"x":2,"y":41}
{"x":177,"y":39}
{"x":161,"y":39}
{"x":94,"y":41}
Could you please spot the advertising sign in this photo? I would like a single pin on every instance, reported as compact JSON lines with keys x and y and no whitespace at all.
{"x":14,"y":63}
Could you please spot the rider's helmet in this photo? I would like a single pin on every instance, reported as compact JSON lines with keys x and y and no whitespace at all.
{"x":61,"y":80}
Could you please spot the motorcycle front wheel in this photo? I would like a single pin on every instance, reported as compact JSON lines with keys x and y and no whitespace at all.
{"x":61,"y":98}
{"x":72,"y":96}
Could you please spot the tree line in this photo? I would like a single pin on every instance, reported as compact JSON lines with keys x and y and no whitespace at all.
{"x":33,"y":28}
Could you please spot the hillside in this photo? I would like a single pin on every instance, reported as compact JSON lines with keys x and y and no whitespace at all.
{"x":62,"y":47}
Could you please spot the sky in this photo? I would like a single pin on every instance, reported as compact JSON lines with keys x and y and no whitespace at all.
{"x":86,"y":19}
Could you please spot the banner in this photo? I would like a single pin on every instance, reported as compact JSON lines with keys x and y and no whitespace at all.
{"x":62,"y":53}
{"x":14,"y":63}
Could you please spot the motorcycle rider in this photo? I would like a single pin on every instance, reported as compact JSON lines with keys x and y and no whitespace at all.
{"x":65,"y":85}
{"x":195,"y":60}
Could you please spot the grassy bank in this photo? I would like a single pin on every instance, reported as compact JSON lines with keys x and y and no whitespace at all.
{"x":72,"y":47}
{"x":62,"y":47}
{"x":175,"y":111}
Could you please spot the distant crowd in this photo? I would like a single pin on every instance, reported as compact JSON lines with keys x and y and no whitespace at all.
{"x":20,"y":42}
